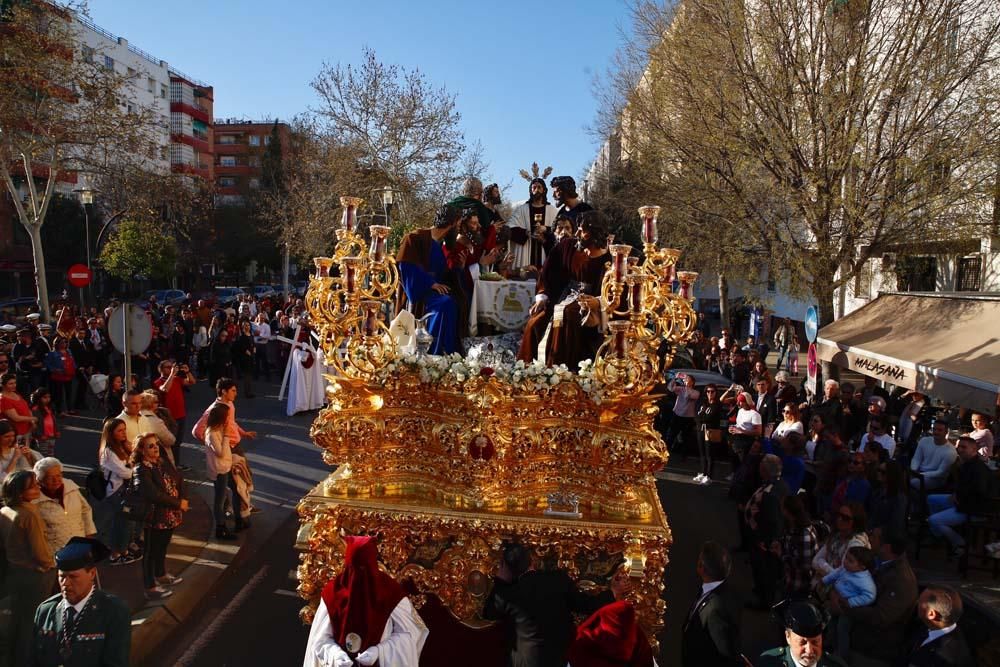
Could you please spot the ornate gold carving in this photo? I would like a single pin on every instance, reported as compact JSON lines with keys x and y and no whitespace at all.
{"x":444,"y":459}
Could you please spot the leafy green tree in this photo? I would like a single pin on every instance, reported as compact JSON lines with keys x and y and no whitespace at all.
{"x":139,"y":249}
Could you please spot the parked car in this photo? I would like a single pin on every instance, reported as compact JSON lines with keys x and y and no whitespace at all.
{"x":166,"y":297}
{"x":226,"y":296}
{"x":260,"y":291}
{"x":701,"y":378}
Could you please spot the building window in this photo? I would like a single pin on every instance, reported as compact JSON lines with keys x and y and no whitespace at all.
{"x":151,"y":85}
{"x":227,"y":160}
{"x":88,"y":54}
{"x":916,"y":274}
{"x":253,"y":161}
{"x":109,"y":62}
{"x":227,"y":139}
{"x":254,"y":183}
{"x":970,"y":270}
{"x":254,"y":140}
{"x":227,"y":182}
{"x":163,"y":92}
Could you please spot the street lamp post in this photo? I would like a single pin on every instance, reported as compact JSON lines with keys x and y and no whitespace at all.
{"x":87,"y":199}
{"x":387,"y":199}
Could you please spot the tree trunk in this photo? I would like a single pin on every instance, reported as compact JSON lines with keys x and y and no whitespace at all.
{"x":723,"y":301}
{"x":41,"y":284}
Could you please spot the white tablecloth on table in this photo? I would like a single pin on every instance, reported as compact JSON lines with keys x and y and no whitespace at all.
{"x":501,"y":303}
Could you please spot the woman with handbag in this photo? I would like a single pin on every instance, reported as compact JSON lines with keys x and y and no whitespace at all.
{"x":710,"y":416}
{"x":157,"y":497}
{"x":113,"y":458}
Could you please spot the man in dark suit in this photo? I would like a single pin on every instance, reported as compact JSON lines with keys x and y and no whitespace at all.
{"x":711,"y":629}
{"x":941,"y":644}
{"x":765,"y":523}
{"x":879,"y":629}
{"x":81,"y":626}
{"x":765,"y":403}
{"x":539,"y":606}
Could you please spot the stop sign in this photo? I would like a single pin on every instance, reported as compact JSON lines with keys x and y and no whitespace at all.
{"x":79,"y":275}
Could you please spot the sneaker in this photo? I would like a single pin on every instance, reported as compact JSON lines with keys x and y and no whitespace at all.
{"x":126,"y":559}
{"x":158,"y":593}
{"x":705,"y":479}
{"x":169,"y":580}
{"x":700,"y":476}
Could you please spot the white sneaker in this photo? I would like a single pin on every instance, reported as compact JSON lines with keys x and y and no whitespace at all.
{"x":699,"y":477}
{"x":705,"y":479}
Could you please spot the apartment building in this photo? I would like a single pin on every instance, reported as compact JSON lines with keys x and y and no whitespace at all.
{"x":239,"y":149}
{"x":183,"y":142}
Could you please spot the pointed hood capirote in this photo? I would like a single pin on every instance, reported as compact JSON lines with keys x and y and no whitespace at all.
{"x":361,"y":598}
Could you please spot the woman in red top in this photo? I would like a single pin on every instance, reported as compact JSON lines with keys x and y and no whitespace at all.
{"x":62,"y":380}
{"x":13,"y":407}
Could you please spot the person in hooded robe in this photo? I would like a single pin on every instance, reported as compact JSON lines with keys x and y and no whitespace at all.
{"x":526,"y":239}
{"x":565,"y":323}
{"x":364,"y":616}
{"x":611,"y":637}
{"x":429,"y":285}
{"x":306,"y":384}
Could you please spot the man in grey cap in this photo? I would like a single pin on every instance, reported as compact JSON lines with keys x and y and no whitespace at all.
{"x":81,"y":626}
{"x":804,"y":623}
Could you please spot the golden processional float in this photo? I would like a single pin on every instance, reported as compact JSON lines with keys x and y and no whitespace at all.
{"x":445,"y":458}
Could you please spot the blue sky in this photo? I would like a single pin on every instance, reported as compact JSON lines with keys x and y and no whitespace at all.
{"x":522,"y":71}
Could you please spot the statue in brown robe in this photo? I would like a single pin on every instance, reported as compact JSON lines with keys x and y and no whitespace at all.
{"x":567,"y":297}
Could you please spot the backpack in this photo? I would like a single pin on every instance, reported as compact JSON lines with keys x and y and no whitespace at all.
{"x":53,"y":362}
{"x":97,"y":484}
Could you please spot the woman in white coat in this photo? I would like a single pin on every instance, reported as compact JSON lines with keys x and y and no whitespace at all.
{"x":64,"y":510}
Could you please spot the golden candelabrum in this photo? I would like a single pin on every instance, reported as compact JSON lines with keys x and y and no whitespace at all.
{"x":445,"y":458}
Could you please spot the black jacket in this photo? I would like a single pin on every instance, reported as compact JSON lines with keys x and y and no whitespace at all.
{"x":768,"y":409}
{"x":972,"y":492}
{"x":879,"y":629}
{"x":539,"y":607}
{"x":711,"y":630}
{"x":951,"y":650}
{"x":150,"y":484}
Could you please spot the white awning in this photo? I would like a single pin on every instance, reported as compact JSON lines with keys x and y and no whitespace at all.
{"x":946,"y":345}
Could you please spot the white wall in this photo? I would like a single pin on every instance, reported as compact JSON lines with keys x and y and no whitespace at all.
{"x":149,"y":85}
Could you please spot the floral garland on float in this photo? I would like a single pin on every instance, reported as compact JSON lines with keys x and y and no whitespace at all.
{"x":446,"y":457}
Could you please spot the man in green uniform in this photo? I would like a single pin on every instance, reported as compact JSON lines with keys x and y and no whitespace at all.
{"x":804,"y":624}
{"x":81,"y":626}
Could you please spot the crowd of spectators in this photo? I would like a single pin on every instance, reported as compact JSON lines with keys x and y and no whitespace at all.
{"x":134,"y":497}
{"x":828,"y":488}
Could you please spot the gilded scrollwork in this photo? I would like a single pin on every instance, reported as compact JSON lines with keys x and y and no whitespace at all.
{"x":445,"y":464}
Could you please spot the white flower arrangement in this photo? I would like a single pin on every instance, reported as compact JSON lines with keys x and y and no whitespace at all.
{"x":534,"y":377}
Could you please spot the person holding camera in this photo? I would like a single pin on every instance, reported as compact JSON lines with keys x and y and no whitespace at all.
{"x":15,"y":454}
{"x":174,"y":377}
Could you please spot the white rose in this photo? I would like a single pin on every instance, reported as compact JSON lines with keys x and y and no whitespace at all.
{"x":554,"y":380}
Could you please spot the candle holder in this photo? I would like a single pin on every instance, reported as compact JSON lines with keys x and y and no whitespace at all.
{"x":649,"y":215}
{"x":642,"y":310}
{"x":345,"y":310}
